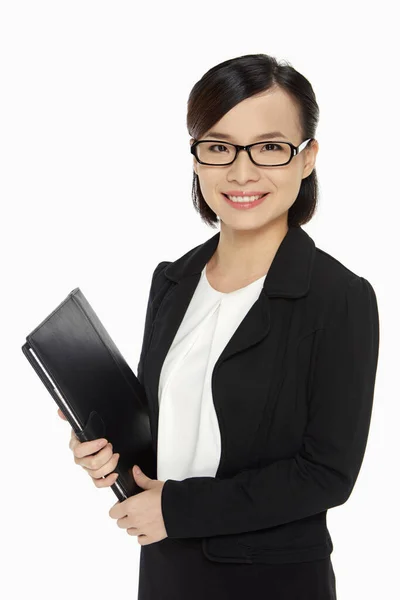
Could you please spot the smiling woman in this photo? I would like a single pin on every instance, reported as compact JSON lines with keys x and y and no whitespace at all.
{"x":258,"y":359}
{"x":254,"y":94}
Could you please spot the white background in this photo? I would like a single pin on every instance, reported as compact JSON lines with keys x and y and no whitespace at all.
{"x":87,"y":88}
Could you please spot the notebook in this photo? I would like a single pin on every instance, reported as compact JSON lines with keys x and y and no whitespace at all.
{"x":92,"y":384}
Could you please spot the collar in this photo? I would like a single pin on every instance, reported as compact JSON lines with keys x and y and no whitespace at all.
{"x":289,"y":275}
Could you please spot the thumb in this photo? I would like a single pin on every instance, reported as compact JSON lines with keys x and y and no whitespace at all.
{"x":140,"y":477}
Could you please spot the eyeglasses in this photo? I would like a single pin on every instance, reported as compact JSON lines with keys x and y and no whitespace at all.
{"x":262,"y":154}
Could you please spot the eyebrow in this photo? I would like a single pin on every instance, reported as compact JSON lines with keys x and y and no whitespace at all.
{"x":262,"y":136}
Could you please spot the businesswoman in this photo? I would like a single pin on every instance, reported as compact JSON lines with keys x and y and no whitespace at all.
{"x":258,"y":360}
{"x":259,"y":356}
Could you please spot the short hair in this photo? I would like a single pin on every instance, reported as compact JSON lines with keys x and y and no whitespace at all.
{"x":234,"y":80}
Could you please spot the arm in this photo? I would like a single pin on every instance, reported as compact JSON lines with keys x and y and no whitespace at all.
{"x":323,"y":472}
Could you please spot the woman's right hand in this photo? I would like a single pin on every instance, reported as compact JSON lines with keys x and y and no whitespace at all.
{"x":96,"y":457}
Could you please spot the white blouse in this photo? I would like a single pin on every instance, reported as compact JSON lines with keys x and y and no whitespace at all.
{"x":189,"y":443}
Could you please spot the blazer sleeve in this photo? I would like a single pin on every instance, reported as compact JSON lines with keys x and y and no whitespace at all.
{"x":323,"y":472}
{"x":149,"y":318}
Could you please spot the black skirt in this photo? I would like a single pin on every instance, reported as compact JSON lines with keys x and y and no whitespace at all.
{"x":178,"y":570}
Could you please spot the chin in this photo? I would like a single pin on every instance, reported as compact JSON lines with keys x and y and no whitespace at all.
{"x":240,"y":223}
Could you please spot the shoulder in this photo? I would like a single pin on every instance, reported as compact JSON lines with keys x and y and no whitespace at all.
{"x":335,"y":287}
{"x":159,"y":269}
{"x":157,"y":279}
{"x":329,"y":271}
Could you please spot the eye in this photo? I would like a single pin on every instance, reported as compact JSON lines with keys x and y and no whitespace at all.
{"x":217,"y":146}
{"x":276,"y":146}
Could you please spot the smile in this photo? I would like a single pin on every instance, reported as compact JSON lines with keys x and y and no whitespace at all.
{"x":244,"y":202}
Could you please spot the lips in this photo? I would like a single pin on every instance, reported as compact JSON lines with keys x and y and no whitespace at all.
{"x":243,"y":204}
{"x":247,"y":195}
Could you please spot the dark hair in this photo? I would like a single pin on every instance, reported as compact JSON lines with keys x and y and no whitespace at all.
{"x":234,"y":80}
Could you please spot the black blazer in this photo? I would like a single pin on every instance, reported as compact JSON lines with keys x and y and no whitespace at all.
{"x":293,"y":392}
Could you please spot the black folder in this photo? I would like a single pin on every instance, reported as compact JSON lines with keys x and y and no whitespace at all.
{"x":93,"y":385}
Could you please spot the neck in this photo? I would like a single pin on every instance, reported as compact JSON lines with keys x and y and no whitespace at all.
{"x":247,"y":253}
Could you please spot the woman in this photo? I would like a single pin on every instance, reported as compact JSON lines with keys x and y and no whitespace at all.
{"x":259,"y":357}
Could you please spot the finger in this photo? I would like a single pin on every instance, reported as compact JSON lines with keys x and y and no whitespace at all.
{"x":95,"y":460}
{"x":82,"y":449}
{"x":61,"y":414}
{"x":101,"y":467}
{"x":73,"y":440}
{"x":107,"y":481}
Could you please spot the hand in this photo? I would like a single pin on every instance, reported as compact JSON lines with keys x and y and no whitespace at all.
{"x":95,"y":457}
{"x":141,"y":514}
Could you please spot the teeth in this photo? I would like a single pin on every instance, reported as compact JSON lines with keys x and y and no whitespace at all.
{"x":244,"y":198}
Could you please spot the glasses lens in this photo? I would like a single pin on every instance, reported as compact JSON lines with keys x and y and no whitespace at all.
{"x":270,"y":153}
{"x":265,"y":153}
{"x":215,"y":153}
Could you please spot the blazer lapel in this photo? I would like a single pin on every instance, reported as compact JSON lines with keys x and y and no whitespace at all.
{"x":288,"y":277}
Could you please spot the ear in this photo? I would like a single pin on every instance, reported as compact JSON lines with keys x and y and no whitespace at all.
{"x":311,"y":156}
{"x":194,"y":159}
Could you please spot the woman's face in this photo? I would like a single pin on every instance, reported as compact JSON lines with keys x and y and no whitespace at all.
{"x":270,"y":111}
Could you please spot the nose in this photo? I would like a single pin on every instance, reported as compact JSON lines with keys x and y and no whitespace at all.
{"x":243,"y":157}
{"x":242,"y":166}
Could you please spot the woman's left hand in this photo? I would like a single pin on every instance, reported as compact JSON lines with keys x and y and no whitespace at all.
{"x":141,"y":514}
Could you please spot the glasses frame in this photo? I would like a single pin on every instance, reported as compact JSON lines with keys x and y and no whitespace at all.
{"x":294,"y":151}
